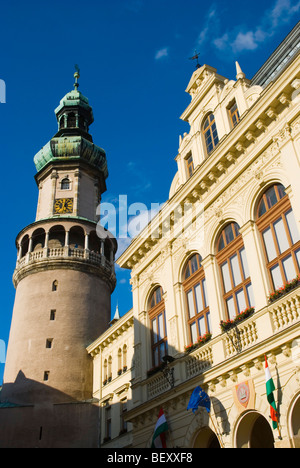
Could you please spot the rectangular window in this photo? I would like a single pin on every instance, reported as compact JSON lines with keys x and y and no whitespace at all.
{"x":161,"y":331}
{"x":244,"y":263}
{"x":269,"y":244}
{"x":202,"y":326}
{"x":194,"y":334}
{"x":46,"y":376}
{"x":276,"y":276}
{"x":241,"y":300}
{"x":226,"y":277}
{"x":208,"y":321}
{"x":289,"y":268}
{"x":199,"y":300}
{"x":52,"y":314}
{"x":234,"y":114}
{"x":250,"y":295}
{"x":190,"y":165}
{"x":205,"y":293}
{"x":291,"y":222}
{"x":281,"y":236}
{"x":154,"y":330}
{"x":191,"y":303}
{"x":49,"y":343}
{"x":236,"y":272}
{"x":231,"y":308}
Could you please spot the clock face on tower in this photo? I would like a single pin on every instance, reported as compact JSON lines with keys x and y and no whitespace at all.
{"x":63,"y":205}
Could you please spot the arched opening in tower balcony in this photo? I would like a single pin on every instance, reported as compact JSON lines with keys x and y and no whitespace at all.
{"x":77,"y":237}
{"x":56,"y":237}
{"x":94,"y":242}
{"x":108,"y":250}
{"x":38,"y":240}
{"x":24,"y":246}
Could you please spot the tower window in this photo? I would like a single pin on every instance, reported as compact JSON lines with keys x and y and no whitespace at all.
{"x":46,"y":376}
{"x":49,"y":343}
{"x":65,"y":184}
{"x":52,"y":314}
{"x":54,"y":286}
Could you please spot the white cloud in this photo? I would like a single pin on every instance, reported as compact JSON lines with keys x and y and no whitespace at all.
{"x":243,"y":39}
{"x":161,"y":53}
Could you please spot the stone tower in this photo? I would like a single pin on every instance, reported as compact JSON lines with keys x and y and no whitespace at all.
{"x":64,"y":278}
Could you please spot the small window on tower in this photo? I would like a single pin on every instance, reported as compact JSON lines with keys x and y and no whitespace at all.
{"x":49,"y":343}
{"x":65,"y":184}
{"x":52,"y":314}
{"x":46,"y":376}
{"x":54,"y":286}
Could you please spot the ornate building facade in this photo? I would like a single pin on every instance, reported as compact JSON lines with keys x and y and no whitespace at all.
{"x":215,"y":275}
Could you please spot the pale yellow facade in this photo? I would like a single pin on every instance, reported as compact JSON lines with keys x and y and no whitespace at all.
{"x":225,"y":187}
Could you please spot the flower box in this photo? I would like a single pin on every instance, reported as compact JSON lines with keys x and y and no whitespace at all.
{"x":227,"y":325}
{"x":285,"y":289}
{"x":201,"y":341}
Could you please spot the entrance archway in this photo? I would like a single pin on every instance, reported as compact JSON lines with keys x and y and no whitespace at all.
{"x":254,"y":431}
{"x":295,"y":423}
{"x":206,"y":438}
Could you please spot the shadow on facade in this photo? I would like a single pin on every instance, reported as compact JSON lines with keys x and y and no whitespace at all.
{"x":38,"y":416}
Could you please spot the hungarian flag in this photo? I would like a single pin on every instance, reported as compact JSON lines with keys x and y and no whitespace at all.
{"x":270,"y":396}
{"x":159,"y":436}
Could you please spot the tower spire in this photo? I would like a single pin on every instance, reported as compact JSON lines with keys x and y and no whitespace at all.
{"x":76,"y":76}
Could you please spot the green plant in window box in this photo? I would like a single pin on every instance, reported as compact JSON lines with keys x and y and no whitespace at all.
{"x":227,"y":325}
{"x":201,"y":341}
{"x":286,"y":288}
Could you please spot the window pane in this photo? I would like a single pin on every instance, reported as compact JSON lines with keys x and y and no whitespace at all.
{"x":205,"y":293}
{"x":194,"y":335}
{"x":226,"y":277}
{"x":269,"y":244}
{"x":158,"y":295}
{"x":156,"y":356}
{"x":229,"y":234}
{"x":235,"y":268}
{"x":281,"y":236}
{"x":202,"y":327}
{"x":262,"y":208}
{"x":162,"y":350}
{"x":154,"y":328}
{"x":250,"y":295}
{"x":241,"y":300}
{"x":298,"y":257}
{"x":231,"y":308}
{"x":161,"y":333}
{"x":194,"y":264}
{"x":191,"y":304}
{"x":208,"y":321}
{"x":289,"y":268}
{"x":271,"y":197}
{"x":244,"y":263}
{"x":276,"y":276}
{"x":199,"y":301}
{"x":294,"y":232}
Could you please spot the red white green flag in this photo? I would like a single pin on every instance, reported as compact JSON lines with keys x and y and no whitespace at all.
{"x":270,"y":395}
{"x":159,"y":436}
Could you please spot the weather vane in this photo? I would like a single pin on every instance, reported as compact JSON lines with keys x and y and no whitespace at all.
{"x":196,"y":57}
{"x":76,"y":76}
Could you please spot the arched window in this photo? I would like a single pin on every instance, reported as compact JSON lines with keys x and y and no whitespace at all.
{"x":194,"y":285}
{"x":65,"y":184}
{"x":157,"y":317}
{"x":124,"y":358}
{"x":210,"y":133}
{"x":109,"y":368}
{"x":55,"y":286}
{"x":232,"y":260}
{"x":280,"y":235}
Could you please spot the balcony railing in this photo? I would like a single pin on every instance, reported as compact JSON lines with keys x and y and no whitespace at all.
{"x":266,"y":323}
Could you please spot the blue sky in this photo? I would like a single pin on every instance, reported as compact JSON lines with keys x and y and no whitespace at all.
{"x":134,"y":62}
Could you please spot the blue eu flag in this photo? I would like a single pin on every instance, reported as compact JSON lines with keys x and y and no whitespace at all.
{"x":199,"y":398}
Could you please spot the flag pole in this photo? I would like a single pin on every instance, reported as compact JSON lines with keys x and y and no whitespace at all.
{"x":217,"y":434}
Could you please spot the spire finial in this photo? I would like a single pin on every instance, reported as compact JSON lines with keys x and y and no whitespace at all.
{"x":239,"y":73}
{"x":76,"y":76}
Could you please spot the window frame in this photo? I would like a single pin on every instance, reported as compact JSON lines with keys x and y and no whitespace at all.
{"x":154,"y":313}
{"x":189,"y":162}
{"x":214,"y":141}
{"x":233,"y":113}
{"x":224,"y":256}
{"x":267,"y":221}
{"x":189,"y":284}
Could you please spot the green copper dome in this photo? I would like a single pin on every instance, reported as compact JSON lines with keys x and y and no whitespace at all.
{"x":73,"y":141}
